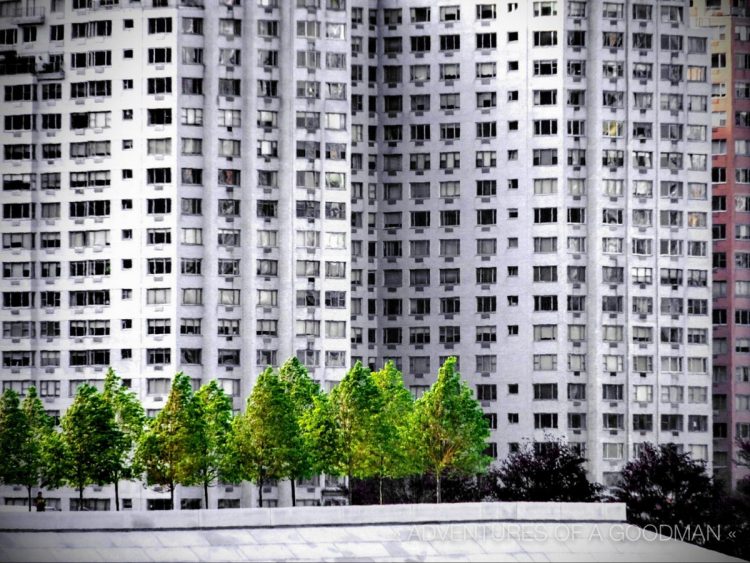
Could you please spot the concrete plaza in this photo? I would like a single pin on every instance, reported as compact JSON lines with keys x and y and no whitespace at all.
{"x":455,"y":532}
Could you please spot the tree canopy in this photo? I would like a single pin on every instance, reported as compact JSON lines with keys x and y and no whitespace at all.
{"x":167,"y":451}
{"x":394,"y":458}
{"x":321,"y":435}
{"x":92,"y":441}
{"x":302,"y":392}
{"x":130,"y":420}
{"x":25,"y":436}
{"x":357,"y":403}
{"x":551,"y":471}
{"x":368,"y":426}
{"x":449,"y":428}
{"x":214,"y":408}
{"x":266,"y":435}
{"x":665,"y":486}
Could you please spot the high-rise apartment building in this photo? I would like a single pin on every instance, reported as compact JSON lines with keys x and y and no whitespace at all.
{"x":530,"y":187}
{"x":729,"y":24}
{"x":526,"y":184}
{"x":174,"y":193}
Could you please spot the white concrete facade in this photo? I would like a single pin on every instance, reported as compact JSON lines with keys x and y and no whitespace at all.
{"x":221,"y":237}
{"x":560,"y":219}
{"x":508,"y":205}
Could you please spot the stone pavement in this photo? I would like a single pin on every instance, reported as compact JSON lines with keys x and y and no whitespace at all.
{"x":444,"y":542}
{"x":462,"y":535}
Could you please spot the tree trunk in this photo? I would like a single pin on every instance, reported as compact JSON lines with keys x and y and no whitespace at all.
{"x":438,"y":492}
{"x":80,"y":498}
{"x":205,"y":493}
{"x":171,"y":496}
{"x":294,"y":491}
{"x":260,"y":492}
{"x":29,"y":490}
{"x":380,"y":478}
{"x":117,"y":494}
{"x":351,"y":481}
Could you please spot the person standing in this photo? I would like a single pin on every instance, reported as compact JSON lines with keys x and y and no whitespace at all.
{"x":40,"y":502}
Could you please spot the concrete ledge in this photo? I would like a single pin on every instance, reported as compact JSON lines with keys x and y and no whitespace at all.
{"x":315,"y":516}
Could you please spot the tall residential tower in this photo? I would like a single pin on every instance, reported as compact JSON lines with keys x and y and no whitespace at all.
{"x":530,"y":186}
{"x":524,"y":185}
{"x":175,"y":193}
{"x":729,"y":25}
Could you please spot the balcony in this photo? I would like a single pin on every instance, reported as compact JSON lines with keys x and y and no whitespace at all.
{"x":49,"y":71}
{"x":23,"y":15}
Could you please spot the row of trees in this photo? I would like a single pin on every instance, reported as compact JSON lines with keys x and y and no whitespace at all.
{"x":368,"y":427}
{"x":661,"y":486}
{"x":93,"y":445}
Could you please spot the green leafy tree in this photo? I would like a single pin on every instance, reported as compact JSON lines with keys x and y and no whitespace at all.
{"x":449,"y":430}
{"x":266,"y":435}
{"x":91,"y":439}
{"x":321,"y":435}
{"x":15,"y":438}
{"x":297,"y":382}
{"x":302,"y":391}
{"x":357,"y":404}
{"x":391,"y":446}
{"x":50,"y":472}
{"x":55,"y":460}
{"x":130,"y":420}
{"x":215,"y":410}
{"x":550,"y":472}
{"x":167,"y":450}
{"x":23,"y":432}
{"x":43,"y":463}
{"x":665,"y":486}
